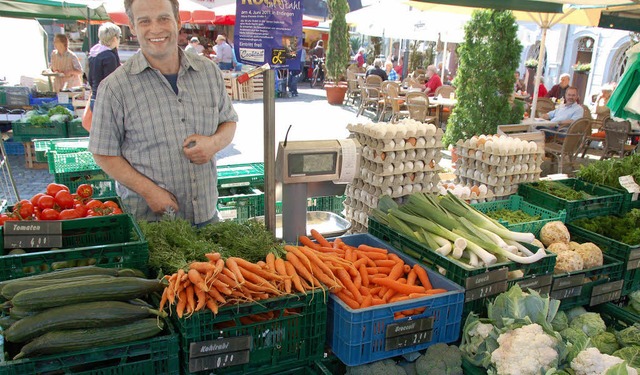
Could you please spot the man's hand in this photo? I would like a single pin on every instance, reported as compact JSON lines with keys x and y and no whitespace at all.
{"x":159,"y":200}
{"x":199,"y":149}
{"x":545,"y":116}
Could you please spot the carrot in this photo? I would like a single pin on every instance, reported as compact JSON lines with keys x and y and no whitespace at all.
{"x":295,"y":279}
{"x":191,"y":300}
{"x":399,"y":297}
{"x":271,"y":261}
{"x":212,"y":305}
{"x":256,"y":282}
{"x":348,"y":300}
{"x":337,"y":243}
{"x":171,"y":296}
{"x":399,"y":287}
{"x":407,"y":268}
{"x":435,"y":291}
{"x":202,"y":299}
{"x":364,"y":275}
{"x":377,"y":301}
{"x":164,"y":299}
{"x":364,"y":291}
{"x":202,"y":267}
{"x":306,"y":241}
{"x":367,"y":301}
{"x":197,"y":280}
{"x":256,"y":270}
{"x":213,"y":257}
{"x":357,"y":281}
{"x":182,"y":303}
{"x":316,"y":260}
{"x":396,"y":271}
{"x":375,"y":256}
{"x":389,"y":294}
{"x":181,"y":275}
{"x":347,"y":254}
{"x":422,"y":275}
{"x":344,"y":278}
{"x":261,"y":264}
{"x":375,"y":270}
{"x":320,"y":238}
{"x":371,"y":249}
{"x":217,"y":296}
{"x":299,"y":266}
{"x":330,"y":250}
{"x":384,"y":263}
{"x":232,"y":265}
{"x":412,"y":277}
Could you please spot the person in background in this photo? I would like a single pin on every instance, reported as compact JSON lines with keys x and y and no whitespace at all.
{"x":602,"y":111}
{"x":398,"y":68}
{"x":318,"y":50}
{"x":224,"y":53}
{"x":377,"y":70}
{"x":208,"y":51}
{"x":568,"y":112}
{"x":542,"y":90}
{"x":433,"y":81}
{"x":558,"y":90}
{"x":294,"y":75}
{"x":194,"y":46}
{"x":65,"y":63}
{"x":519,"y":85}
{"x":360,"y":57}
{"x":160,"y":120}
{"x":391,"y":74}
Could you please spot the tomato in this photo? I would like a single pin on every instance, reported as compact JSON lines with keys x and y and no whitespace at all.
{"x":24,"y":209}
{"x":46,"y":201}
{"x":64,"y":199}
{"x":69,"y":214}
{"x":94,"y":213}
{"x":110,"y":204}
{"x":53,"y":188}
{"x":4,"y":218}
{"x":81,"y":209}
{"x":49,"y":214}
{"x":85,"y":191}
{"x":116,"y":211}
{"x":94,"y":203}
{"x":34,"y":199}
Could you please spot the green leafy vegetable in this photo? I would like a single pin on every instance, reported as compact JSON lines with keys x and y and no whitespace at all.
{"x":631,"y":354}
{"x":512,"y":217}
{"x":606,"y":172}
{"x":606,"y":342}
{"x":561,"y":190}
{"x":249,"y":240}
{"x":625,"y":229}
{"x":629,"y":336}
{"x":590,"y":323}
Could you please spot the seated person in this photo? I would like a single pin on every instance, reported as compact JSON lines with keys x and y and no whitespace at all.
{"x":433,"y":81}
{"x":566,"y":113}
{"x":519,"y":85}
{"x":558,"y":90}
{"x":377,"y":70}
{"x":391,"y":73}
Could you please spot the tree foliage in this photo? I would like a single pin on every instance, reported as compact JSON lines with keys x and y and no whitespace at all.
{"x":488,"y":57}
{"x":338,"y":49}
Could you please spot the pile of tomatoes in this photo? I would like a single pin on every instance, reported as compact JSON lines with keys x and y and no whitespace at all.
{"x":58,"y":203}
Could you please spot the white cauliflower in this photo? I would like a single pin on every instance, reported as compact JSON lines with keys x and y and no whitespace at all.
{"x":525,"y":351}
{"x":554,"y":231}
{"x":568,"y":261}
{"x":591,"y":362}
{"x":481,"y":329}
{"x":591,"y":255}
{"x":557,"y":247}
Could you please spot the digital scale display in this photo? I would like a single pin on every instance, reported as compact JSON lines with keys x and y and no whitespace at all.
{"x":312,"y":164}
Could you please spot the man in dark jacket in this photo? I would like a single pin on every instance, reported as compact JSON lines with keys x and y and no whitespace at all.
{"x":377,"y":70}
{"x":103,"y":57}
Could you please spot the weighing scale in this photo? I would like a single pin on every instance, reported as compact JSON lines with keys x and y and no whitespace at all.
{"x":312,"y":169}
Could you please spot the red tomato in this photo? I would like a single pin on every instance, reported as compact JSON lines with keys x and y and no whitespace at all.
{"x":46,"y":201}
{"x":34,"y":199}
{"x":69,"y":214}
{"x":3,"y":218}
{"x":53,"y":188}
{"x":81,"y":209}
{"x":115,"y":211}
{"x":85,"y":191}
{"x":94,"y":213}
{"x":64,"y":199}
{"x":49,"y":214}
{"x":94,"y":203}
{"x":110,"y":204}
{"x":24,"y":209}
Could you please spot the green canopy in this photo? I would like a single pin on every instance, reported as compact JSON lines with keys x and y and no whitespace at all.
{"x":54,"y":9}
{"x":521,"y":5}
{"x":623,"y":18}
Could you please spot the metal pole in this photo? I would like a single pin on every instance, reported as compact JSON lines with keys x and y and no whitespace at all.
{"x":269,"y":106}
{"x":536,"y":82}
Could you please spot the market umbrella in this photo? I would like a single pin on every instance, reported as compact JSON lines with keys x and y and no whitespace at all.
{"x":621,"y":18}
{"x":190,"y":12}
{"x":226,"y":15}
{"x":54,"y":9}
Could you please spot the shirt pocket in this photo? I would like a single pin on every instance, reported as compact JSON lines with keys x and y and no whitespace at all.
{"x":205,"y":120}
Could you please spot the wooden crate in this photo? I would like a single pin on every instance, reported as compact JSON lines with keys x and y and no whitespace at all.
{"x":523,"y":131}
{"x":30,"y":157}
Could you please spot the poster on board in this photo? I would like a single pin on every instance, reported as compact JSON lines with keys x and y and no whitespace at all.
{"x":269,"y":31}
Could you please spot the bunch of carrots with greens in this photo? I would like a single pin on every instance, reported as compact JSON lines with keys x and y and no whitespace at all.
{"x":360,"y":276}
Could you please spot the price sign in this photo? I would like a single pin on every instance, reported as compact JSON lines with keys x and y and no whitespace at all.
{"x":486,"y":284}
{"x":630,"y":185}
{"x":567,"y":282}
{"x":634,"y":260}
{"x":606,"y":292}
{"x":541,"y":284}
{"x":32,"y":234}
{"x":409,"y":333}
{"x":208,"y":355}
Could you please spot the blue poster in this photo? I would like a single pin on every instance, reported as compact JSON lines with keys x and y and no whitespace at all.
{"x":269,"y":31}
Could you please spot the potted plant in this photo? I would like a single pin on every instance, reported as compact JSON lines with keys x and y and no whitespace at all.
{"x":531,"y":63}
{"x":337,"y":51}
{"x":581,"y":68}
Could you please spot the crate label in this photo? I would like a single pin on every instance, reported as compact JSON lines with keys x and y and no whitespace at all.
{"x":633,"y":264}
{"x":605,"y":297}
{"x":218,"y":361}
{"x":234,"y":184}
{"x":566,"y":293}
{"x":607,"y":287}
{"x":486,"y":278}
{"x":410,"y":333}
{"x":214,"y":347}
{"x":630,"y":185}
{"x":567,"y":282}
{"x":32,"y":234}
{"x":485,"y":291}
{"x":634,"y":254}
{"x":538,"y":283}
{"x":410,"y":326}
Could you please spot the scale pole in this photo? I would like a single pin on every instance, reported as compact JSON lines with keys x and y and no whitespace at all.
{"x":269,"y":106}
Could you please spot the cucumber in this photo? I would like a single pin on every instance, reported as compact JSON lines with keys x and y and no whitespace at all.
{"x":78,"y":339}
{"x":110,"y":289}
{"x":81,"y":315}
{"x":6,"y":322}
{"x":65,"y":273}
{"x":130,"y":272}
{"x":18,"y":313}
{"x":11,"y":289}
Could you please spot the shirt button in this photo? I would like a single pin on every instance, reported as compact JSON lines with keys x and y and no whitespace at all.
{"x":183,"y":120}
{"x":195,"y":199}
{"x":179,"y":100}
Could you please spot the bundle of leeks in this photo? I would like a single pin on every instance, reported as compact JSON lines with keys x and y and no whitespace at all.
{"x":456,"y":230}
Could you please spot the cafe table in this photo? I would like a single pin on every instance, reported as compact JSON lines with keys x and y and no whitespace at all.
{"x":441,"y":102}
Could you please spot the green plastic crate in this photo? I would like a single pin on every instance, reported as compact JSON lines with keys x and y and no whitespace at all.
{"x":60,"y":145}
{"x":291,"y":339}
{"x":103,"y":185}
{"x":454,"y":272}
{"x":627,"y":201}
{"x":113,"y":241}
{"x":240,"y":203}
{"x":41,"y":147}
{"x":628,"y":254}
{"x":75,"y":129}
{"x":26,"y":132}
{"x":236,"y":175}
{"x":514,"y":203}
{"x":615,"y":316}
{"x":157,"y":355}
{"x":605,"y":201}
{"x":71,"y":162}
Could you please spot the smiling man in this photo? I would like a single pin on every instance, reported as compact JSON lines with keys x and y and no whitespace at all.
{"x":160,"y":119}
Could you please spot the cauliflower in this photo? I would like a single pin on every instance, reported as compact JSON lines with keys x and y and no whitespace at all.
{"x":557,"y":247}
{"x":590,"y":323}
{"x":591,"y":362}
{"x":440,"y":359}
{"x":554,"y":231}
{"x":591,"y":255}
{"x":481,"y":329}
{"x":568,"y":261}
{"x":525,"y":351}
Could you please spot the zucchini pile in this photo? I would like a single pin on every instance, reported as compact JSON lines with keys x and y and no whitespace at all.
{"x":78,"y":308}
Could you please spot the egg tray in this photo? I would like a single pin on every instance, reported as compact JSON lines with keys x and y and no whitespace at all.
{"x":380,"y":170}
{"x":400,"y":190}
{"x":382,"y":130}
{"x":508,"y":189}
{"x":501,"y":160}
{"x":500,"y":181}
{"x":479,"y":164}
{"x":482,"y":197}
{"x":379,"y":190}
{"x":418,"y":154}
{"x":358,"y":215}
{"x":532,"y":148}
{"x":400,"y":144}
{"x":463,"y":171}
{"x":403,"y":179}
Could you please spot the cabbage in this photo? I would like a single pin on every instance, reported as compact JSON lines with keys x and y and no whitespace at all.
{"x":619,"y":369}
{"x":590,"y":323}
{"x":573,"y":335}
{"x":560,"y":322}
{"x":631,"y":354}
{"x":634,"y":301}
{"x":516,"y":306}
{"x":575,"y":312}
{"x":629,"y":336}
{"x":606,"y":342}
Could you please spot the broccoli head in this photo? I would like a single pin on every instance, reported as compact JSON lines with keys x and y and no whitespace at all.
{"x":440,"y":359}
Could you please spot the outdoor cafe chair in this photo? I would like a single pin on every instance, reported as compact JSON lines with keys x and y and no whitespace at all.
{"x":353,"y":91}
{"x":418,"y":106}
{"x":396,"y":102}
{"x":564,"y":147}
{"x":545,"y":105}
{"x":385,"y":101}
{"x":598,"y":136}
{"x":616,"y":135}
{"x":369,"y":96}
{"x":445,"y":91}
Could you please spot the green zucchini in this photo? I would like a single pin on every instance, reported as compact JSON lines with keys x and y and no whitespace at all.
{"x":130,"y":272}
{"x":11,"y":289}
{"x":111,"y":289}
{"x":6,"y":322}
{"x":65,"y":273}
{"x":81,"y":315}
{"x":18,"y":313}
{"x":78,"y":339}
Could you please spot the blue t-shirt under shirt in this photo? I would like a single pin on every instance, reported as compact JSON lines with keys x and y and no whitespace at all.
{"x":173,"y":81}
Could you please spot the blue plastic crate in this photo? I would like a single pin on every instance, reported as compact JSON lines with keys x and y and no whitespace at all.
{"x":360,"y":336}
{"x":14,"y":148}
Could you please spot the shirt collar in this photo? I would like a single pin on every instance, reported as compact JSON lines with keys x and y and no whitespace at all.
{"x":138,"y":63}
